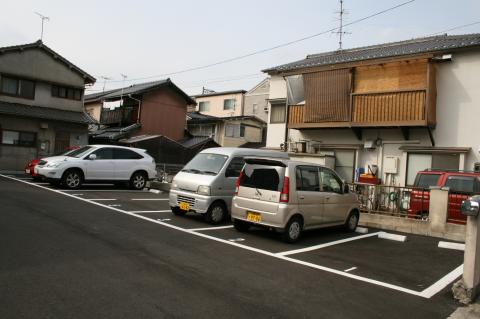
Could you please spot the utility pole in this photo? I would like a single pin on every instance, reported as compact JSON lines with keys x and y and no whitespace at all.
{"x":44,"y":19}
{"x":104,"y":78}
{"x":123,"y":85}
{"x":340,"y":31}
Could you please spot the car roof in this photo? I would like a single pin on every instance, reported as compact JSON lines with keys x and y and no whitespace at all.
{"x":229,"y":151}
{"x":447,"y":172}
{"x":287,"y":162}
{"x":117,"y":146}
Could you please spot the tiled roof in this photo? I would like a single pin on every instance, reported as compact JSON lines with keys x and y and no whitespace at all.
{"x":138,"y":89}
{"x":40,"y":45}
{"x":190,"y":142}
{"x":199,"y":117}
{"x":435,"y":44}
{"x":114,"y":133}
{"x":220,"y":93}
{"x":46,"y":113}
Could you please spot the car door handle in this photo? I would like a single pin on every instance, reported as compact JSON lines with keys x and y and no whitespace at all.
{"x":302,"y":197}
{"x":327,"y":198}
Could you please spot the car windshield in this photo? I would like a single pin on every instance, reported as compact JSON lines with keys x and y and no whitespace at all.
{"x":80,"y":152}
{"x":426,"y":180}
{"x":205,"y":163}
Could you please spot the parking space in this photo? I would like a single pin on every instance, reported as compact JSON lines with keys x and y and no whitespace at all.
{"x":416,"y":266}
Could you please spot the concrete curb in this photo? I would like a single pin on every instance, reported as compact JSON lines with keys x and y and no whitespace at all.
{"x":164,"y":187}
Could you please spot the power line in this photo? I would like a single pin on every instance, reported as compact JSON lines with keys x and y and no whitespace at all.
{"x":240,"y":57}
{"x":456,"y":28}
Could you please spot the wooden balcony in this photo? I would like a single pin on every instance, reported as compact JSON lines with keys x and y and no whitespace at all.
{"x":121,"y":116}
{"x":376,"y":109}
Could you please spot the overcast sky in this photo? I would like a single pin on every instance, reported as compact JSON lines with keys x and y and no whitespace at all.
{"x":146,"y":38}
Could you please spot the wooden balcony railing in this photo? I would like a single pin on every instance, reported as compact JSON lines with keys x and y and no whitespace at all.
{"x":121,"y":115}
{"x":406,"y":107}
{"x":399,"y":108}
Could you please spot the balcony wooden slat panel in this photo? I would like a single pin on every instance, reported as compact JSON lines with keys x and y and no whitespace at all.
{"x":327,"y":96}
{"x":119,"y":115}
{"x":389,"y":107}
{"x":295,"y":115}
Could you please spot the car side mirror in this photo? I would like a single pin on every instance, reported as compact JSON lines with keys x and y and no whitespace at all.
{"x":346,"y":188}
{"x":470,"y":208}
{"x":92,"y":157}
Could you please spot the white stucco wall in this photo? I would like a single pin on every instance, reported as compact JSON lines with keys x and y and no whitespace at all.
{"x":458,"y":104}
{"x":276,"y":132}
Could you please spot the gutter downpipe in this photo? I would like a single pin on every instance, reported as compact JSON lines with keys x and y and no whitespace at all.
{"x":287,"y":112}
{"x":139,"y":107}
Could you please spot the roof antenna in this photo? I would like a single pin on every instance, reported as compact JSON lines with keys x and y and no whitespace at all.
{"x":340,"y":31}
{"x":44,"y":19}
{"x":104,"y":78}
{"x":123,"y":86}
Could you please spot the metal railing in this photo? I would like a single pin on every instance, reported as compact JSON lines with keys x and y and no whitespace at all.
{"x":392,"y":200}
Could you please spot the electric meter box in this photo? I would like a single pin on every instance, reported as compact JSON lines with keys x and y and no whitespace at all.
{"x":390,"y":165}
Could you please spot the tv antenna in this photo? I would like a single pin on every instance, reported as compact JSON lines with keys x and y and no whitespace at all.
{"x":44,"y":19}
{"x":340,"y":31}
{"x":124,"y":76}
{"x":104,"y":78}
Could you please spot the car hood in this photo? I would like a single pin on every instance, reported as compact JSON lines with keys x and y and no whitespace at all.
{"x":191,"y":181}
{"x":55,"y":159}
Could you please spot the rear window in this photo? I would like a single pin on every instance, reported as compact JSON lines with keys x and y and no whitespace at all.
{"x":463,"y":184}
{"x":426,"y":180}
{"x":263,"y":177}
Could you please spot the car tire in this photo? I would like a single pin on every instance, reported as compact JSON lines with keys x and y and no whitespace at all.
{"x":352,"y":221}
{"x":293,"y":230}
{"x":138,"y":181}
{"x":241,"y":226}
{"x":177,"y":211}
{"x":216,"y":213}
{"x":72,"y":179}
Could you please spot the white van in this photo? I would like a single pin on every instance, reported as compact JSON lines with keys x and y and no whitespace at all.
{"x":207,"y":183}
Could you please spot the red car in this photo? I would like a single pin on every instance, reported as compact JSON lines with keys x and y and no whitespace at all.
{"x":462,"y":185}
{"x":30,"y":167}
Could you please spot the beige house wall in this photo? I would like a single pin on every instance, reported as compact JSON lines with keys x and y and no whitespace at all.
{"x":94,"y":109}
{"x":216,"y":105}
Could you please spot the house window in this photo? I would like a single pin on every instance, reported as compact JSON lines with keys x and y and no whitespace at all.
{"x":66,"y":92}
{"x":17,"y":87}
{"x":229,"y":104}
{"x":255,"y":108}
{"x":18,"y":138}
{"x":234,"y":130}
{"x":277,"y":114}
{"x":204,"y":106}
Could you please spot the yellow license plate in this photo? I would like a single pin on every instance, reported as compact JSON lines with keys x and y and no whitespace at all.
{"x":254,"y":217}
{"x":184,"y":206}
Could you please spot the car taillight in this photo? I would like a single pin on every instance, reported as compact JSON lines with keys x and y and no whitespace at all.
{"x":239,"y":180}
{"x":285,"y":190}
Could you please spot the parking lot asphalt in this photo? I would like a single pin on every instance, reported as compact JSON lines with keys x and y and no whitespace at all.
{"x":109,"y":252}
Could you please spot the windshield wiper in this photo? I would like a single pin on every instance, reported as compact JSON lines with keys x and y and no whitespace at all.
{"x":192,"y":170}
{"x":208,"y":172}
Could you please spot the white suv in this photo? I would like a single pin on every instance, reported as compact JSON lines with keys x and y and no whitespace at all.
{"x":99,"y":163}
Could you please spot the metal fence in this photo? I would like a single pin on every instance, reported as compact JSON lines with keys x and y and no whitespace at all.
{"x":392,"y":200}
{"x":166,"y":172}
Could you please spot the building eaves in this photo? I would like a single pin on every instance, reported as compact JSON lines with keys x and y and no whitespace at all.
{"x":435,"y":44}
{"x":40,"y":45}
{"x":45,"y":113}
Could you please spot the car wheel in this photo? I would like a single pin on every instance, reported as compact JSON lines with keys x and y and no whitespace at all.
{"x":293,"y":230}
{"x":177,"y":211}
{"x":72,"y":179}
{"x":216,"y":213}
{"x":352,"y":221}
{"x":241,"y":225}
{"x":138,"y":181}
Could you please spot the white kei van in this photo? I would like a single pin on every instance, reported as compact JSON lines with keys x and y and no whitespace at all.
{"x":207,"y":183}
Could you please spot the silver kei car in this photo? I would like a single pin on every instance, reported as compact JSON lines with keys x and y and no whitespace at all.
{"x":291,"y":197}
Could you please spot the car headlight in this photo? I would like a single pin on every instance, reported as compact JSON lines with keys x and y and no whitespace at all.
{"x":203,"y":190}
{"x":174,"y":185}
{"x":54,"y":165}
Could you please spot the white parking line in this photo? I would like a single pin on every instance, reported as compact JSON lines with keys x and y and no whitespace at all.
{"x":102,"y":190}
{"x":341,"y":241}
{"x":350,"y":269}
{"x":100,"y":199}
{"x":149,"y":199}
{"x":426,"y":293}
{"x":211,"y":228}
{"x":450,"y":245}
{"x":149,"y":211}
